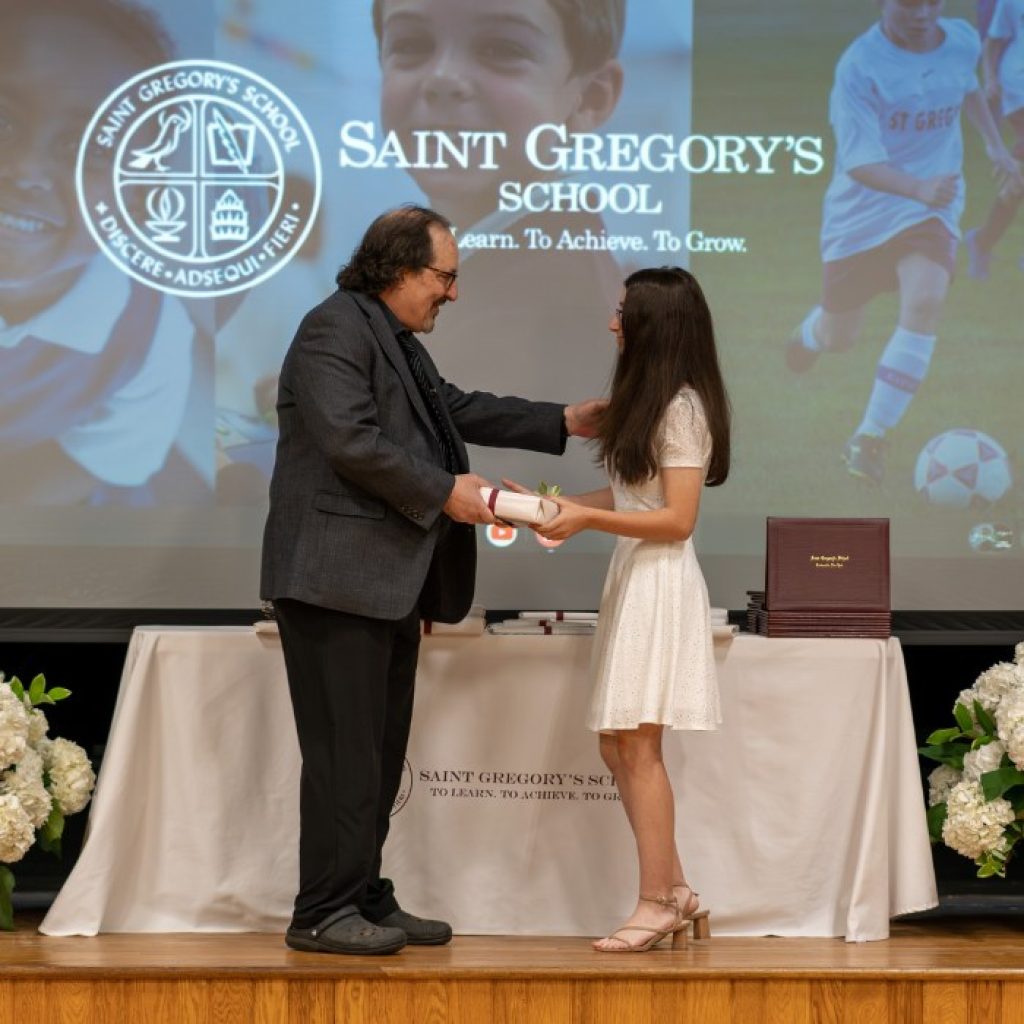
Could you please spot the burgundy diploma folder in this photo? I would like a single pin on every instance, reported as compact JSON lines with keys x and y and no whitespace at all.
{"x":827,"y":566}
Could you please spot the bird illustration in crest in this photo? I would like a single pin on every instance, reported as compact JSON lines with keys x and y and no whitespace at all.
{"x":172,"y":124}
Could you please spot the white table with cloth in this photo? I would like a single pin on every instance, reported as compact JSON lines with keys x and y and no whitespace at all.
{"x":803,"y":815}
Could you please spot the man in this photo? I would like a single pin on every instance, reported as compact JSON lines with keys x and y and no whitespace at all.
{"x":370,"y":529}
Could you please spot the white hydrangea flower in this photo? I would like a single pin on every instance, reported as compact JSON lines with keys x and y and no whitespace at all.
{"x":37,"y":724}
{"x":974,"y":826}
{"x":967,"y":698}
{"x":16,"y":831}
{"x":71,"y":775}
{"x":13,"y":727}
{"x":1018,"y":653}
{"x":25,"y":781}
{"x":994,"y":683}
{"x":940,"y":782}
{"x":984,"y":759}
{"x":1010,"y":725}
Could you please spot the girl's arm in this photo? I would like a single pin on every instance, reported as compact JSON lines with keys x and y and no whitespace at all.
{"x":991,"y":57}
{"x":595,"y":499}
{"x":937,"y":191}
{"x":674,"y":522}
{"x":1005,"y":169}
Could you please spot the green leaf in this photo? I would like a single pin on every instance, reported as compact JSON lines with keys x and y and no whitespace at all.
{"x":946,"y":753}
{"x":936,"y":819}
{"x":944,"y":735}
{"x":994,"y":784}
{"x":19,"y":690}
{"x":988,"y":869}
{"x":984,"y":718}
{"x":6,"y":908}
{"x":36,"y":689}
{"x":51,"y":831}
{"x":59,"y":693}
{"x":963,"y":717}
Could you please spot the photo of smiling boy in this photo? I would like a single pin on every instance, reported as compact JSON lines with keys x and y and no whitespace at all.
{"x":467,"y":66}
{"x":95,"y":370}
{"x":456,"y":66}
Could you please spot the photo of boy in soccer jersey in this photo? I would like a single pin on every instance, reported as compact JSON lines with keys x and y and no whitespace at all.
{"x":1003,"y":75}
{"x":95,"y":370}
{"x":892,"y":211}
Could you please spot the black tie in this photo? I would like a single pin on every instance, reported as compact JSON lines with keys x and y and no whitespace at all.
{"x":431,"y":398}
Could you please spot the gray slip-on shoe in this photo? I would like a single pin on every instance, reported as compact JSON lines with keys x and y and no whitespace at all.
{"x":421,"y":931}
{"x":346,"y":931}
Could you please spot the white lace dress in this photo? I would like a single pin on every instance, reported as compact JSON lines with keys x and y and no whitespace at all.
{"x":653,"y":657}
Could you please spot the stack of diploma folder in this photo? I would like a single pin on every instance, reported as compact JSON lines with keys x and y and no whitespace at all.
{"x":823,"y":577}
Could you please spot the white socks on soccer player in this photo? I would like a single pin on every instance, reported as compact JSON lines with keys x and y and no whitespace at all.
{"x":807,"y":330}
{"x":904,"y":364}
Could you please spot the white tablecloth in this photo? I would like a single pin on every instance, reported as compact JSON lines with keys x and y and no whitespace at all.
{"x":803,"y":815}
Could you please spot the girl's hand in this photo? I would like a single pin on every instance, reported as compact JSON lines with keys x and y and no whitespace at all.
{"x":570,"y":520}
{"x":938,"y":191}
{"x":1008,"y":177}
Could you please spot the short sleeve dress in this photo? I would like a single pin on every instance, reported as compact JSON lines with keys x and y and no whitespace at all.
{"x":653,"y":659}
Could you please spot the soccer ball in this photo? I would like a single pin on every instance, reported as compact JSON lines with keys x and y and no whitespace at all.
{"x":963,"y":469}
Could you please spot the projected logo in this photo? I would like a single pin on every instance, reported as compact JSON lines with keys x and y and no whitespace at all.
{"x":501,"y":536}
{"x":198,"y":178}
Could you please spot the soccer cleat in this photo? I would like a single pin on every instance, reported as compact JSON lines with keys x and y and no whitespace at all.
{"x":979,"y":260}
{"x":863,"y":457}
{"x":799,"y":358}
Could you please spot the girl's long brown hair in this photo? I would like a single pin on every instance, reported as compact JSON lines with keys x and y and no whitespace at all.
{"x":669,"y":343}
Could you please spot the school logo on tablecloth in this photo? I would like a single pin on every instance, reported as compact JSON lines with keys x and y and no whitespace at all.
{"x":198,"y":178}
{"x":404,"y":789}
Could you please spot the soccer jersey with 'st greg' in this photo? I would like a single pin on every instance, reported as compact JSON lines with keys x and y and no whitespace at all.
{"x":894,"y":106}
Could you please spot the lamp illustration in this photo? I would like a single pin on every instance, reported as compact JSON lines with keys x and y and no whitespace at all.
{"x":165,"y":207}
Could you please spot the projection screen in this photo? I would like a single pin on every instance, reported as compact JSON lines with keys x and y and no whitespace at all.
{"x":180,"y":182}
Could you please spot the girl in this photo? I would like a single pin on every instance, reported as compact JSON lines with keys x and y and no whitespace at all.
{"x":891,"y":218}
{"x":663,"y":435}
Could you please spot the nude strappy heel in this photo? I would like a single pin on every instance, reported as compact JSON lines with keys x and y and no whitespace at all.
{"x":700,"y":919}
{"x":677,"y":929}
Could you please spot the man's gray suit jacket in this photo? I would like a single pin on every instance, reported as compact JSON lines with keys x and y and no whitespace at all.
{"x":355,"y":521}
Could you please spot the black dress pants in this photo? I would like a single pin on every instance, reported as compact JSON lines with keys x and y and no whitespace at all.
{"x":351,"y":680}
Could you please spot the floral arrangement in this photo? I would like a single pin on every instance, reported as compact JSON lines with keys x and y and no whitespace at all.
{"x":976,"y":795}
{"x":41,"y":779}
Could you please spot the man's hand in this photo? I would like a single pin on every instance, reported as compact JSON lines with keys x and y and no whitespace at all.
{"x":464,"y":504}
{"x":581,"y":418}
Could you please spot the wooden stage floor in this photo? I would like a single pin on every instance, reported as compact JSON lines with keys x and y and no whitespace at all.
{"x":954,"y":970}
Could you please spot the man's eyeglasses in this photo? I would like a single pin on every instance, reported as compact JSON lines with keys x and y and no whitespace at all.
{"x":448,"y":277}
